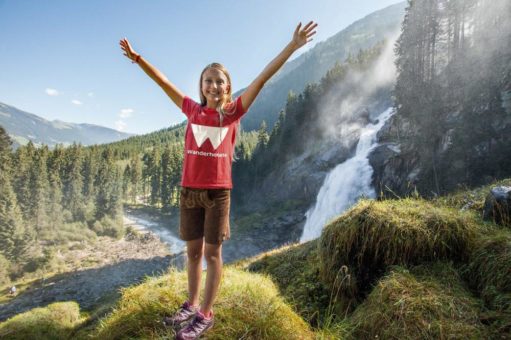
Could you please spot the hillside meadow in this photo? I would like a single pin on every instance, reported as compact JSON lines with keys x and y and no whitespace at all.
{"x":405,"y":268}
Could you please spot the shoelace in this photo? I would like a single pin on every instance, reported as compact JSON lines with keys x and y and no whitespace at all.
{"x":196,"y":325}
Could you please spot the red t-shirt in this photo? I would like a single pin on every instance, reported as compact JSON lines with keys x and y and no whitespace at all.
{"x":209,"y":147}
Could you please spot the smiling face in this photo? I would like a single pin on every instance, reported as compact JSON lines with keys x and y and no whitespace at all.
{"x":215,"y":87}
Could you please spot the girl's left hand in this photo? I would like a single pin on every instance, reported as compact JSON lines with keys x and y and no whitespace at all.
{"x":128,"y":50}
{"x":303,"y":36}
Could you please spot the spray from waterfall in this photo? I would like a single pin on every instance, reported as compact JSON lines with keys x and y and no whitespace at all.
{"x":346,"y":183}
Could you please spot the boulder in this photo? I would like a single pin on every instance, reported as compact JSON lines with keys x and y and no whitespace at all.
{"x":497,"y":206}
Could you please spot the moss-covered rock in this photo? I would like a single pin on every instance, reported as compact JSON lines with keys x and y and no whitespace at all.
{"x":55,"y":321}
{"x":470,"y":199}
{"x":359,"y":246}
{"x":248,"y":306}
{"x":424,"y":303}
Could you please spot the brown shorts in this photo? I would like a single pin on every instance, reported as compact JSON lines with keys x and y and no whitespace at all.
{"x":205,"y":213}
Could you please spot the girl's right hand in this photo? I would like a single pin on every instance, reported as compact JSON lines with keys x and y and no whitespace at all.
{"x":128,"y":50}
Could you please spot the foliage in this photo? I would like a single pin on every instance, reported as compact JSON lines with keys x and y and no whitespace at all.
{"x":301,"y":122}
{"x":453,"y":70}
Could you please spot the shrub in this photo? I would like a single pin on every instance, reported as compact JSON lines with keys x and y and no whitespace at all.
{"x":4,"y":271}
{"x":109,"y":227}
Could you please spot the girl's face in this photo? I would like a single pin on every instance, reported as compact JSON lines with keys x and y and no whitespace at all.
{"x":214,"y":86}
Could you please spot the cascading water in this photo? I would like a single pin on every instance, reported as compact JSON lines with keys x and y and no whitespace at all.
{"x":346,"y":183}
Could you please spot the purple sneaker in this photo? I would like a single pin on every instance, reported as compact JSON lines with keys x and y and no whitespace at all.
{"x":184,"y":313}
{"x":196,"y":328}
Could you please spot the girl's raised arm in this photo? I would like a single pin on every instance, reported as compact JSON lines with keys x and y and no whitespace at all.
{"x":301,"y":36}
{"x":170,"y":89}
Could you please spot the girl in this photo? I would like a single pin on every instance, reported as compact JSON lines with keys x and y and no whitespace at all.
{"x":206,"y":179}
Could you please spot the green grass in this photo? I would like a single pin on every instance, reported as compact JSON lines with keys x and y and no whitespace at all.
{"x":248,"y":307}
{"x":295,"y":271}
{"x":425,"y":303}
{"x":394,"y":269}
{"x":55,"y":321}
{"x":489,"y":270}
{"x":470,"y":199}
{"x":359,"y":246}
{"x":489,"y":274}
{"x":21,"y":286}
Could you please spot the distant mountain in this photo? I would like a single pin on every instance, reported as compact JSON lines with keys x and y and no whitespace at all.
{"x":23,"y":127}
{"x":312,"y":65}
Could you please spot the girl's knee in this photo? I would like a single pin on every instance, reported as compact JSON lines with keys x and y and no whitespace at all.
{"x":213,"y":253}
{"x":195,"y":255}
{"x":213,"y":258}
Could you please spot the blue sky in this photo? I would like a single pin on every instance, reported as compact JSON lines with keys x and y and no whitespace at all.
{"x":60,"y":59}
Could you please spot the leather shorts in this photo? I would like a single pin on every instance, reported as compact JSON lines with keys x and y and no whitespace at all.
{"x":204,"y":213}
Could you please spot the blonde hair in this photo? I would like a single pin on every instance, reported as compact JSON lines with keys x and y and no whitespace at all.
{"x":226,"y":106}
{"x":223,"y":107}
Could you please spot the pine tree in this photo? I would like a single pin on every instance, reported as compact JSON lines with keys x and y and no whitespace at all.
{"x":54,"y":208}
{"x":13,"y":240}
{"x":126,"y":180}
{"x":135,"y":177}
{"x":262,"y":135}
{"x":73,"y":183}
{"x":154,"y":168}
{"x":166,"y":178}
{"x":39,"y":190}
{"x":23,"y":159}
{"x":104,"y":183}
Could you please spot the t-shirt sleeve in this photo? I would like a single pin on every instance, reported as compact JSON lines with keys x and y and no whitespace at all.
{"x":189,"y":106}
{"x":239,"y":109}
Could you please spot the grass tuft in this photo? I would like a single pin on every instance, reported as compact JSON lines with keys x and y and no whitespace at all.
{"x":489,"y":270}
{"x":423,"y":303}
{"x":358,"y":247}
{"x":55,"y":321}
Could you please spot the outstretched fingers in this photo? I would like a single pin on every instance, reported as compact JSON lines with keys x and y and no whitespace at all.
{"x":126,"y":47}
{"x":310,"y":28}
{"x":298,"y":28}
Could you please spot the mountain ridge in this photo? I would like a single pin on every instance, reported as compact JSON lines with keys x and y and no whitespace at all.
{"x":24,"y":127}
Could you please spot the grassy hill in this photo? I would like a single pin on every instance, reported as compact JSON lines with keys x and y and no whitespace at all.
{"x":404,"y":268}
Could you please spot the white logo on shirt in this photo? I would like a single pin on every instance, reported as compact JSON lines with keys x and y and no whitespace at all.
{"x":216,"y":135}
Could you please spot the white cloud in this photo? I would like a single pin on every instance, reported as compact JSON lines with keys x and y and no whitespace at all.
{"x":76,"y":102}
{"x":52,"y":92}
{"x":120,"y":125}
{"x":90,"y":94}
{"x":125,"y":113}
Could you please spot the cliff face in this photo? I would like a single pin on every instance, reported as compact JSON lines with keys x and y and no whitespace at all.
{"x":452,"y":96}
{"x":399,"y":164}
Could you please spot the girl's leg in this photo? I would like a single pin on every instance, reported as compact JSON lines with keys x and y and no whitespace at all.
{"x":213,"y":255}
{"x":194,"y":250}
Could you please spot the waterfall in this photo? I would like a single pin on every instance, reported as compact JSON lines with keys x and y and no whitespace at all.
{"x":346,"y":183}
